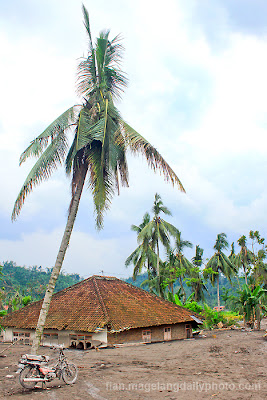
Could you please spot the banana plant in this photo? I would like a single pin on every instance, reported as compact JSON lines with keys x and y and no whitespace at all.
{"x":252,"y":306}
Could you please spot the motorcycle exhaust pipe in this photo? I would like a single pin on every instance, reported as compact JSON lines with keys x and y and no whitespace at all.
{"x":34,"y":380}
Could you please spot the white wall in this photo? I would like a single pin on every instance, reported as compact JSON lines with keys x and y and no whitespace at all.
{"x":8,"y":334}
{"x":63,"y":336}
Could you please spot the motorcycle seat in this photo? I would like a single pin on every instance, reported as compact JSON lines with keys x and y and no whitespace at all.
{"x":33,"y":357}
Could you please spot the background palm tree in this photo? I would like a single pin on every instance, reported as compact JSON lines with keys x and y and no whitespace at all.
{"x":101,"y":138}
{"x":158,"y":230}
{"x":182,"y":265}
{"x":170,"y":276}
{"x":195,"y":279}
{"x":219,"y":262}
{"x":232,"y":256}
{"x":143,"y":254}
{"x":245,"y":257}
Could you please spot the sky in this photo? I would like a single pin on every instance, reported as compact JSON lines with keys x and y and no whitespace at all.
{"x":197,"y":91}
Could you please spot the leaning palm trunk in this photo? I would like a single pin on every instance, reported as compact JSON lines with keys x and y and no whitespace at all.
{"x":59,"y":261}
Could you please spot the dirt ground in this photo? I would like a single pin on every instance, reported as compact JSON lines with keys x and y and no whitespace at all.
{"x":231,"y":365}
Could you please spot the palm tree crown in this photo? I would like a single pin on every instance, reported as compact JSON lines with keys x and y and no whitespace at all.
{"x":221,"y":242}
{"x":219,"y":262}
{"x":143,"y":254}
{"x":101,"y":135}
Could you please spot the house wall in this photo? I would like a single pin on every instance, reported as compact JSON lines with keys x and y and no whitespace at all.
{"x":52,"y":336}
{"x":178,"y":331}
{"x":7,"y":334}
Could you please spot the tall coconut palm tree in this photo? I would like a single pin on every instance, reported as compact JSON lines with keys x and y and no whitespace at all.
{"x":158,"y":230}
{"x":169,"y":271}
{"x":98,"y":150}
{"x":259,"y":273}
{"x":245,"y":257}
{"x":182,"y":265}
{"x":220,"y":263}
{"x":143,"y":254}
{"x":232,"y":256}
{"x":195,"y":279}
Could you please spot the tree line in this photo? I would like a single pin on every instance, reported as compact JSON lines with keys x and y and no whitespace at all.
{"x":160,"y":253}
{"x":21,"y":285}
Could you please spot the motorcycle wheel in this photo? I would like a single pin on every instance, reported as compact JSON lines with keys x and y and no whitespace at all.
{"x":28,"y":372}
{"x":69,"y":374}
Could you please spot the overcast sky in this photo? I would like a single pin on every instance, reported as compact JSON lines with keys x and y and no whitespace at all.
{"x":197,"y":92}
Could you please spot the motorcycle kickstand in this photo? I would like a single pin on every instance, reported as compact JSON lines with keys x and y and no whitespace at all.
{"x":44,"y":385}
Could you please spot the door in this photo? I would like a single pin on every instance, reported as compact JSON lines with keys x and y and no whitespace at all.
{"x":146,"y":336}
{"x":167,"y":333}
{"x":188,"y":331}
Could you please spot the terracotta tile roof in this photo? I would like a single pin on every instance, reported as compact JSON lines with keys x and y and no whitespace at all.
{"x":99,"y":301}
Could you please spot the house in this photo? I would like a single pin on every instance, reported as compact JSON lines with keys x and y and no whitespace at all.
{"x":221,"y":308}
{"x":102,"y":310}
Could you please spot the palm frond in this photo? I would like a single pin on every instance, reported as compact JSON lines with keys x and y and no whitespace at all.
{"x":146,"y":232}
{"x":138,"y":144}
{"x":101,"y":182}
{"x":58,"y":127}
{"x":87,"y":23}
{"x":101,"y":48}
{"x":42,"y":170}
{"x":171,"y":229}
{"x":133,"y":257}
{"x":87,"y":78}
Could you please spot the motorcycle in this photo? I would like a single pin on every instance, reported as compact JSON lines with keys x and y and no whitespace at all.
{"x":33,"y":369}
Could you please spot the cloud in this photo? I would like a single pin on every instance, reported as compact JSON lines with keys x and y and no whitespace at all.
{"x":85,"y":255}
{"x":197,"y":96}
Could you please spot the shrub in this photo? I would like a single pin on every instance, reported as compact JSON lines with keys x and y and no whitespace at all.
{"x":194,"y":306}
{"x":212,"y":317}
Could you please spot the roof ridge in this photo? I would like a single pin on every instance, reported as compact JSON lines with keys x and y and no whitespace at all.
{"x":100,"y":297}
{"x":76,"y":284}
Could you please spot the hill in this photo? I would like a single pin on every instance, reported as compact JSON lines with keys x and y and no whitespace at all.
{"x":30,"y":281}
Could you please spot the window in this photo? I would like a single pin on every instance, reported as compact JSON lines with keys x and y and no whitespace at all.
{"x":146,"y":335}
{"x":23,"y":337}
{"x":80,"y":341}
{"x":50,"y":336}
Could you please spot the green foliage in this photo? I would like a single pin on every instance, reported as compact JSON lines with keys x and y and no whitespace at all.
{"x":190,"y":304}
{"x":175,"y":298}
{"x":194,"y":306}
{"x":250,"y":299}
{"x":231,"y":317}
{"x":2,"y":313}
{"x":22,"y":285}
{"x":212,"y":317}
{"x":233,"y":288}
{"x":26,"y":300}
